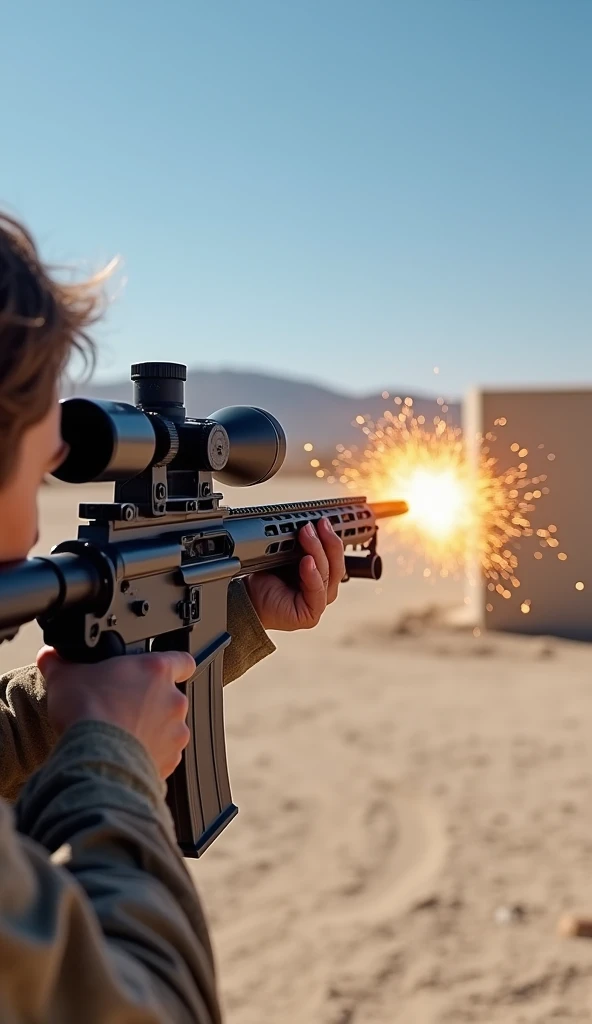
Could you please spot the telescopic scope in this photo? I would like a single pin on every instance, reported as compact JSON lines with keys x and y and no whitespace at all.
{"x":113,"y":441}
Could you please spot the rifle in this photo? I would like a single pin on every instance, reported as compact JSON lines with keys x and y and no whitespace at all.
{"x":151,"y":570}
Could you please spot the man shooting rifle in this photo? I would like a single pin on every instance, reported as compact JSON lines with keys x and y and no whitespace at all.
{"x":99,"y":919}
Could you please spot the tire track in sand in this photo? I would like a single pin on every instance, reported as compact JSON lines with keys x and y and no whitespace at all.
{"x":398,"y":855}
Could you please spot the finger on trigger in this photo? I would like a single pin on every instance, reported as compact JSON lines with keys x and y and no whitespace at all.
{"x":186,"y":667}
{"x":182,"y":665}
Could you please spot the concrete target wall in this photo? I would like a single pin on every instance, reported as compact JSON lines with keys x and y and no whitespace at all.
{"x":560,"y":421}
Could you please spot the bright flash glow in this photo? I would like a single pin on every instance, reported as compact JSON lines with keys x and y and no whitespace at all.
{"x":462,"y":506}
{"x":436,"y":499}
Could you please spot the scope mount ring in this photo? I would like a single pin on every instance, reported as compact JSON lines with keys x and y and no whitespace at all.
{"x":158,"y":422}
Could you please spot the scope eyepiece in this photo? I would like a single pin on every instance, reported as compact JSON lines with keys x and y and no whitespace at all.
{"x":106,"y":441}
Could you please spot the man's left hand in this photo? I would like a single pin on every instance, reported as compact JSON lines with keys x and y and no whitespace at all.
{"x":321,"y":570}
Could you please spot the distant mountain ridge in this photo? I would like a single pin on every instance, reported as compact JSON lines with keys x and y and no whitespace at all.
{"x":308,"y":412}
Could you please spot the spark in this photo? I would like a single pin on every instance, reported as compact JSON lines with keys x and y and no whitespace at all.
{"x":464,"y":509}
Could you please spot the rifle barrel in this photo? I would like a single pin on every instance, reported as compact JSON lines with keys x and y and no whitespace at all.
{"x":387,"y":509}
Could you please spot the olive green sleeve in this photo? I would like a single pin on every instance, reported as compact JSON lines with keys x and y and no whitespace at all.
{"x":26,"y":737}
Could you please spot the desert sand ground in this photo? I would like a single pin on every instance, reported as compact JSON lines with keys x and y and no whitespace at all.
{"x":414,"y":814}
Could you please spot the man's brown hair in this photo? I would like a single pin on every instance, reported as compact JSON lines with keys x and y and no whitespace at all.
{"x":42,"y":322}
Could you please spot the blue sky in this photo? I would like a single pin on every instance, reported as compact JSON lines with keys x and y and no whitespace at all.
{"x":351,"y":191}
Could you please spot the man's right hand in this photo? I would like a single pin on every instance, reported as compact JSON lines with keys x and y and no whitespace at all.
{"x":136,"y":693}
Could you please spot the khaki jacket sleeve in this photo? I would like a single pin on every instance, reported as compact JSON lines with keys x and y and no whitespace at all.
{"x":26,"y":738}
{"x":115,"y":934}
{"x":250,"y":643}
